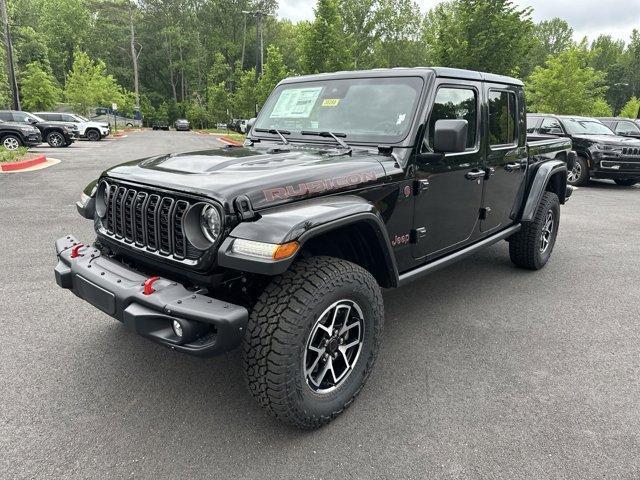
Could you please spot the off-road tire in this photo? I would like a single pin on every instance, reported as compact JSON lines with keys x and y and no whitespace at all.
{"x":11,"y":142}
{"x":93,"y":135}
{"x":56,"y":140}
{"x":580,"y":172}
{"x":625,"y":182}
{"x":525,"y":246}
{"x":277,"y":333}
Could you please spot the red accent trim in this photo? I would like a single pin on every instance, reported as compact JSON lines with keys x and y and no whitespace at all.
{"x":148,"y":285}
{"x":22,"y":164}
{"x":230,"y":141}
{"x":75,"y":249}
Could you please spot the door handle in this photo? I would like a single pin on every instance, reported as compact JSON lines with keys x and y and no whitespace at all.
{"x":475,"y":174}
{"x":512,"y":167}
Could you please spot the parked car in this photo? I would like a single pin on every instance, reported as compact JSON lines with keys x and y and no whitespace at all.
{"x":182,"y":124}
{"x":284,"y":245}
{"x":115,"y":119}
{"x":56,"y":134}
{"x":238,"y":125}
{"x":93,"y":131}
{"x":601,"y":153}
{"x":625,"y":127}
{"x":16,"y":135}
{"x":160,"y":126}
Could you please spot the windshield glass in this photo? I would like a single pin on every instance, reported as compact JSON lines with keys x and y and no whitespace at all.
{"x":585,"y":127}
{"x":364,"y":109}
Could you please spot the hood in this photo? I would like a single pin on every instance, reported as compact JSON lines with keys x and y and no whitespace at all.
{"x":266,"y":177}
{"x":613,"y":140}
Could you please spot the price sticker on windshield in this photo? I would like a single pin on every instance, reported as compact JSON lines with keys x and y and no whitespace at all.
{"x":296,"y":103}
{"x":330,"y":102}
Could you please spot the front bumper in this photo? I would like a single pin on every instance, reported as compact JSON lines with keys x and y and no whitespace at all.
{"x":33,"y":139}
{"x":119,"y":291}
{"x":617,"y":168}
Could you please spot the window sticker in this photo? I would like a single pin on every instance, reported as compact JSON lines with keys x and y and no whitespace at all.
{"x":296,"y":103}
{"x":330,"y":102}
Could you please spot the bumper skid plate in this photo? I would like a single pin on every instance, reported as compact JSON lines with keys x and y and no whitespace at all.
{"x":119,"y":291}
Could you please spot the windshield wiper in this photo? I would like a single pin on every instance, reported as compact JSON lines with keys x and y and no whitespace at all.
{"x":335,"y":136}
{"x":275,"y":131}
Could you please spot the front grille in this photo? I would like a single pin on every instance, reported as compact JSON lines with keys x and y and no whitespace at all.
{"x":631,"y":150}
{"x":149,"y":220}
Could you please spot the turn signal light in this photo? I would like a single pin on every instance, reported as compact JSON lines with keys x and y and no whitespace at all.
{"x":285,"y":250}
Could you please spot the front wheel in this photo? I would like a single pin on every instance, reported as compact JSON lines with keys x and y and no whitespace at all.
{"x":93,"y":135}
{"x":625,"y":182}
{"x":312,"y":339}
{"x":56,"y":139}
{"x":531,"y":247}
{"x":11,"y":142}
{"x":579,"y":174}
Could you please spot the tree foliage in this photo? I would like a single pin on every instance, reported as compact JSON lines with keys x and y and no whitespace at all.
{"x":631,"y":108}
{"x":39,"y":88}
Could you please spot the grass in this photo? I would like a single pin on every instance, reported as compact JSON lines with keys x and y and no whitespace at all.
{"x":227,"y":133}
{"x":12,"y":155}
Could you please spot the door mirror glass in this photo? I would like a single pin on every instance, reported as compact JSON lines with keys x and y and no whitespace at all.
{"x":450,"y":136}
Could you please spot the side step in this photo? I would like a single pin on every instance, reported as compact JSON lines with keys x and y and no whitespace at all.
{"x":454,"y":257}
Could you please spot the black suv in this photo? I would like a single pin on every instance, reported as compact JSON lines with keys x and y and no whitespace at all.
{"x":16,"y":135}
{"x":56,"y":134}
{"x":348,"y":183}
{"x":601,"y":153}
{"x":625,"y":127}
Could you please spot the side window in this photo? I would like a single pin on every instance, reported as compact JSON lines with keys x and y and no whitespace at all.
{"x":626,"y":128}
{"x":46,"y":116}
{"x":456,"y":103}
{"x":68,"y":118}
{"x":21,"y":117}
{"x":532,"y":124}
{"x":6,"y":116}
{"x":551,"y":126}
{"x":502,"y":118}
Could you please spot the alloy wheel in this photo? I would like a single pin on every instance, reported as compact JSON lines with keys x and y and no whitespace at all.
{"x":56,"y":140}
{"x":333,"y":346}
{"x":575,"y":173}
{"x":10,"y":143}
{"x":547,"y":232}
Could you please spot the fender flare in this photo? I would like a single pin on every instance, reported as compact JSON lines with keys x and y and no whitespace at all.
{"x":301,"y":222}
{"x":539,"y":184}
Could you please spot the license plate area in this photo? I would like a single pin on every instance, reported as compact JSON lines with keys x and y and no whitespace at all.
{"x":95,"y":295}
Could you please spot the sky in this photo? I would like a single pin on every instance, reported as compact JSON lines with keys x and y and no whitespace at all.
{"x":587,"y":17}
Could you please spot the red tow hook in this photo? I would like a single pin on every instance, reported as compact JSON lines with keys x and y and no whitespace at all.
{"x":75,"y":249}
{"x":148,"y":285}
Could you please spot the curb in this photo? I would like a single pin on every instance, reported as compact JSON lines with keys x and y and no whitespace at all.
{"x":229,"y":141}
{"x":22,"y":164}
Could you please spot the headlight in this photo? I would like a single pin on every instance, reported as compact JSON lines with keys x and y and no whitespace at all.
{"x":266,"y":251}
{"x":599,"y":146}
{"x":210,"y":223}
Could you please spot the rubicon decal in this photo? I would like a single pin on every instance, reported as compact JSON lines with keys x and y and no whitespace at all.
{"x":318,"y":186}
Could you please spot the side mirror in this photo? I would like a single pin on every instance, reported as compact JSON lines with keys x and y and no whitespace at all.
{"x":31,"y":120}
{"x":250,"y":124}
{"x":450,"y":136}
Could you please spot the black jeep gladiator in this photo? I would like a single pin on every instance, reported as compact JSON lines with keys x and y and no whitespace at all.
{"x":600,"y":152}
{"x":347,"y":183}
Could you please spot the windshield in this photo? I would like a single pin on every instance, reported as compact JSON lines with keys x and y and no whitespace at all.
{"x":363,"y":109}
{"x":585,"y":127}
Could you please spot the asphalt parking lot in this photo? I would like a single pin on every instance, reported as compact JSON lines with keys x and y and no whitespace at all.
{"x":486,"y":371}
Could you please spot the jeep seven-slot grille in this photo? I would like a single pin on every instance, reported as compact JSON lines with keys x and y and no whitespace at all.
{"x":630,"y":151}
{"x":149,"y":220}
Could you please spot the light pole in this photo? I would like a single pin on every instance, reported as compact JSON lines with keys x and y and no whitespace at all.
{"x":259,"y":15}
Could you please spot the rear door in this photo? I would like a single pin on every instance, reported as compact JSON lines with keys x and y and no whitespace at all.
{"x":506,"y":158}
{"x":446,"y":209}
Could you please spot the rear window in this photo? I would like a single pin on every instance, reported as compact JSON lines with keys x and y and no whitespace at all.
{"x":502,"y":118}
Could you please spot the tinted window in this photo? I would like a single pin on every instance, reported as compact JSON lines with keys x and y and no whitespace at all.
{"x":68,"y":118}
{"x":551,"y":126}
{"x":627,"y":127}
{"x":532,"y":124}
{"x":502,"y":118}
{"x":21,"y":117}
{"x":456,"y":103}
{"x":47,"y":116}
{"x":6,"y":116}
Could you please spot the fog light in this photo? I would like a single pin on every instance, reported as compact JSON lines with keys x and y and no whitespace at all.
{"x":177,"y":328}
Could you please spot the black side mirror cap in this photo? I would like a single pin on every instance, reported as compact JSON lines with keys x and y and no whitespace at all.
{"x":450,"y":136}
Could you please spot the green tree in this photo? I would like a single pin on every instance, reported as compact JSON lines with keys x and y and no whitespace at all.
{"x":243,"y":101}
{"x":632,"y":108}
{"x":218,"y":103}
{"x":274,"y":71}
{"x":88,"y":85}
{"x":567,"y":85}
{"x":38,"y":88}
{"x":324,"y":48}
{"x":550,"y":37}
{"x":492,"y":36}
{"x":607,"y":55}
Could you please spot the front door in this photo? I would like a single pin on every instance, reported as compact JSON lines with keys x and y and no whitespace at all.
{"x":506,"y":161}
{"x":450,"y":186}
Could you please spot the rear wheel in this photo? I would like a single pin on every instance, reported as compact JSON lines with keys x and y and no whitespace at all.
{"x":312,"y":339}
{"x":11,"y":142}
{"x":531,"y":247}
{"x":93,"y":135}
{"x":625,"y":182}
{"x":56,"y":139}
{"x":579,"y":174}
